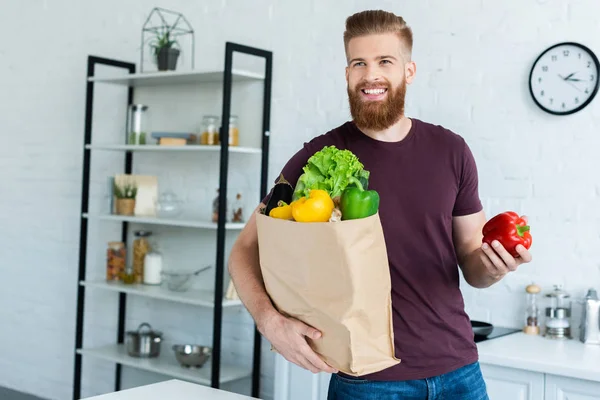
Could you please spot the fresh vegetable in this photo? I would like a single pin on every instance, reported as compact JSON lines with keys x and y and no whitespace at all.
{"x":509,"y":229}
{"x":282,"y":211}
{"x":282,"y":191}
{"x":317,"y":207}
{"x":331,"y":170}
{"x":357,"y":203}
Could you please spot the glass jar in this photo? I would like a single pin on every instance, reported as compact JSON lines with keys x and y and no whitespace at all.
{"x":153,"y":268}
{"x":210,"y":130}
{"x":558,"y":324}
{"x":532,"y":314}
{"x":215,"y":209}
{"x":137,"y":127}
{"x":116,"y":258}
{"x":234,"y":131}
{"x":141,"y":247}
{"x":238,"y":209}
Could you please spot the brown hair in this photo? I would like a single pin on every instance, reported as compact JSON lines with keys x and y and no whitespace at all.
{"x":377,"y":22}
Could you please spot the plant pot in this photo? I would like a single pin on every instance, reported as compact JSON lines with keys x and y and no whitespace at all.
{"x":167,"y":58}
{"x":125,"y":206}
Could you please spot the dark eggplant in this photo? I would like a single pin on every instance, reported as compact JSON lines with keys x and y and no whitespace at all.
{"x":282,"y":191}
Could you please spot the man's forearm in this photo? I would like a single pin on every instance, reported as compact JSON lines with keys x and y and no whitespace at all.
{"x":475,"y":272}
{"x":244,"y":269}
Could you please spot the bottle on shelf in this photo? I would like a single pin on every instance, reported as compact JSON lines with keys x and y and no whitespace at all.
{"x":141,"y":246}
{"x":137,"y":132}
{"x":116,"y":258}
{"x":153,"y":267}
{"x":238,"y":209}
{"x":210,"y":132}
{"x":215,"y":209}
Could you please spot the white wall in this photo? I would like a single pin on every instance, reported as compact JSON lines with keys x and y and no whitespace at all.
{"x":473,"y":61}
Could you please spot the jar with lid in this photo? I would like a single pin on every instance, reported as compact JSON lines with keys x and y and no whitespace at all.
{"x":558,"y":325}
{"x":210,"y":130}
{"x":215,"y":209}
{"x":238,"y":209}
{"x":234,"y":131}
{"x":116,"y":259}
{"x":153,"y":267}
{"x":137,"y":125}
{"x":141,"y":246}
{"x":532,"y":325}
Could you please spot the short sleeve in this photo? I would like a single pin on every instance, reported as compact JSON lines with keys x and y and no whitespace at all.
{"x":467,"y":200}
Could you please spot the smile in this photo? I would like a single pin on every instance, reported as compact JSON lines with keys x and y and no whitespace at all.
{"x":374,"y":91}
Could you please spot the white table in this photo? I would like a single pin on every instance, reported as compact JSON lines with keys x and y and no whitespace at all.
{"x":173,"y":389}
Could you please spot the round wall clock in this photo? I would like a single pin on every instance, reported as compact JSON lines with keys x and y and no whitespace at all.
{"x":564,"y":78}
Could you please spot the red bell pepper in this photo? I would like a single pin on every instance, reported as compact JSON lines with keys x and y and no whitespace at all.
{"x":509,"y":229}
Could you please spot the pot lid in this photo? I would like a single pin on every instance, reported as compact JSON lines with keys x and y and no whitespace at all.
{"x":141,"y":331}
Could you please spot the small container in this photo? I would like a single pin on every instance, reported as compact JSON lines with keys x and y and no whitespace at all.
{"x":153,"y":263}
{"x":137,"y":126}
{"x":234,"y":131}
{"x":210,"y":130}
{"x":215,"y":209}
{"x":532,"y":322}
{"x":238,"y":209}
{"x":116,"y":259}
{"x":128,"y":276}
{"x":558,"y":324}
{"x":141,"y":247}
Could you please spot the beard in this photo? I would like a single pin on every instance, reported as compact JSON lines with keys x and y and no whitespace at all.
{"x":377,"y":114}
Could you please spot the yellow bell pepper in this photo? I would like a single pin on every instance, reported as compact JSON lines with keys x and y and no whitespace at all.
{"x":316,"y":208}
{"x":282,"y":211}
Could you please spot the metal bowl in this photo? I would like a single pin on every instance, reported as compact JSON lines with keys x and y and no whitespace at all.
{"x":189,"y":355}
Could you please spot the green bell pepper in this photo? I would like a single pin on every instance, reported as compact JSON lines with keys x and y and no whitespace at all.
{"x":357,"y":203}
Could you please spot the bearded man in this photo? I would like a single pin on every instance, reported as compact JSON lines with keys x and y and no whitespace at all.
{"x":432,"y":219}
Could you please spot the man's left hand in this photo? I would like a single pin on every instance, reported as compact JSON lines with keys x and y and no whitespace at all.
{"x":499,"y":262}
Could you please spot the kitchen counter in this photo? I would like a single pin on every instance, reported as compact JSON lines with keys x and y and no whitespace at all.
{"x":569,"y":358}
{"x":172,"y":389}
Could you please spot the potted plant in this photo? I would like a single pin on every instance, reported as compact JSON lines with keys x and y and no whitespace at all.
{"x":165,"y":52}
{"x":125,"y":195}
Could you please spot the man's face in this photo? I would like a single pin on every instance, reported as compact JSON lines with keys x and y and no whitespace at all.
{"x":377,"y":74}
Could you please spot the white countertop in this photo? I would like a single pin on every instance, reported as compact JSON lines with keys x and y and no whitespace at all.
{"x":173,"y":389}
{"x":569,"y":358}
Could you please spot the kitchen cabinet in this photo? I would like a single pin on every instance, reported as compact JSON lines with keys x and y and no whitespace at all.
{"x":510,"y":383}
{"x":562,"y":388}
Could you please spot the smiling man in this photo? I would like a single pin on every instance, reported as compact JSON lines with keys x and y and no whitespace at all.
{"x":432,"y":220}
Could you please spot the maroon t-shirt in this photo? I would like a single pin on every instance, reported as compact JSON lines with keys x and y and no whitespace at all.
{"x":423,"y":181}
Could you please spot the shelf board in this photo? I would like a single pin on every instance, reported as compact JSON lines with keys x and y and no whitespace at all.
{"x":189,"y":223}
{"x":194,"y":297}
{"x":166,"y":364}
{"x":185,"y":148}
{"x":176,"y":78}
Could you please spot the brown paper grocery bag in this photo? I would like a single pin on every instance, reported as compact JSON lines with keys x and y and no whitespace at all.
{"x":333,"y":276}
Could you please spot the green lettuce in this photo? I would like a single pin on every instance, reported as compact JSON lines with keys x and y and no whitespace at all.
{"x":332,"y":170}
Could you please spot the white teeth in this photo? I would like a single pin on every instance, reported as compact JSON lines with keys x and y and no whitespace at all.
{"x":374,"y":91}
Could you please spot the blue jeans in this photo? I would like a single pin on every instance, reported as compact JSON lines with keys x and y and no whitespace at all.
{"x":465,"y":383}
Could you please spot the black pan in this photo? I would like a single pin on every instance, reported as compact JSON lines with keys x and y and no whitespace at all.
{"x":481,"y":328}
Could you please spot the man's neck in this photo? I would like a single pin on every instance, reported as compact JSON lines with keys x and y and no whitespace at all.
{"x":394,"y":133}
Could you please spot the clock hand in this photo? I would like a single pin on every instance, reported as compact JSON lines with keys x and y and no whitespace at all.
{"x":568,"y":76}
{"x":569,"y":82}
{"x":574,"y":80}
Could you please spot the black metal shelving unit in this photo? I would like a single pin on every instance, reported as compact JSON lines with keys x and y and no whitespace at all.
{"x":230,"y":50}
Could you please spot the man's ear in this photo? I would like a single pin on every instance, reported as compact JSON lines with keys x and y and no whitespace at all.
{"x":410,"y":70}
{"x":347,"y":72}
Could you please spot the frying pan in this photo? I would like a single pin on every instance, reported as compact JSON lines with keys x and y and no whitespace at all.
{"x":481,"y":328}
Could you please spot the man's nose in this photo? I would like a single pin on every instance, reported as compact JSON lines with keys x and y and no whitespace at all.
{"x":373,"y":74}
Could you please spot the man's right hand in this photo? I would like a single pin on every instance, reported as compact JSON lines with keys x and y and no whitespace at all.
{"x":287,"y":336}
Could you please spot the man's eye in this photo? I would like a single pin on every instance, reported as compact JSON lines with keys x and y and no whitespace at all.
{"x":386,"y":61}
{"x":359,"y":64}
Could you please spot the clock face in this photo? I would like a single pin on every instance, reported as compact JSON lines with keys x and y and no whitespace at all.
{"x":564,"y":78}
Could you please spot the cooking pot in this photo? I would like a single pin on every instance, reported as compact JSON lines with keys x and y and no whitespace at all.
{"x":144,"y":343}
{"x":481,"y":328}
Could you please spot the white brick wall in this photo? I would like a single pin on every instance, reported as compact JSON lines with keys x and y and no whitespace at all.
{"x":473,"y":61}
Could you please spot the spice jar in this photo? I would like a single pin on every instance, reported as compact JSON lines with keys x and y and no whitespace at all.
{"x":210,"y":131}
{"x":141,"y":247}
{"x":532,"y":326}
{"x":238,"y":209}
{"x":116,"y":257}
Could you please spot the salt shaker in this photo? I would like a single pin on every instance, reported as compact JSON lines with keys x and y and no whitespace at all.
{"x":532,"y":324}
